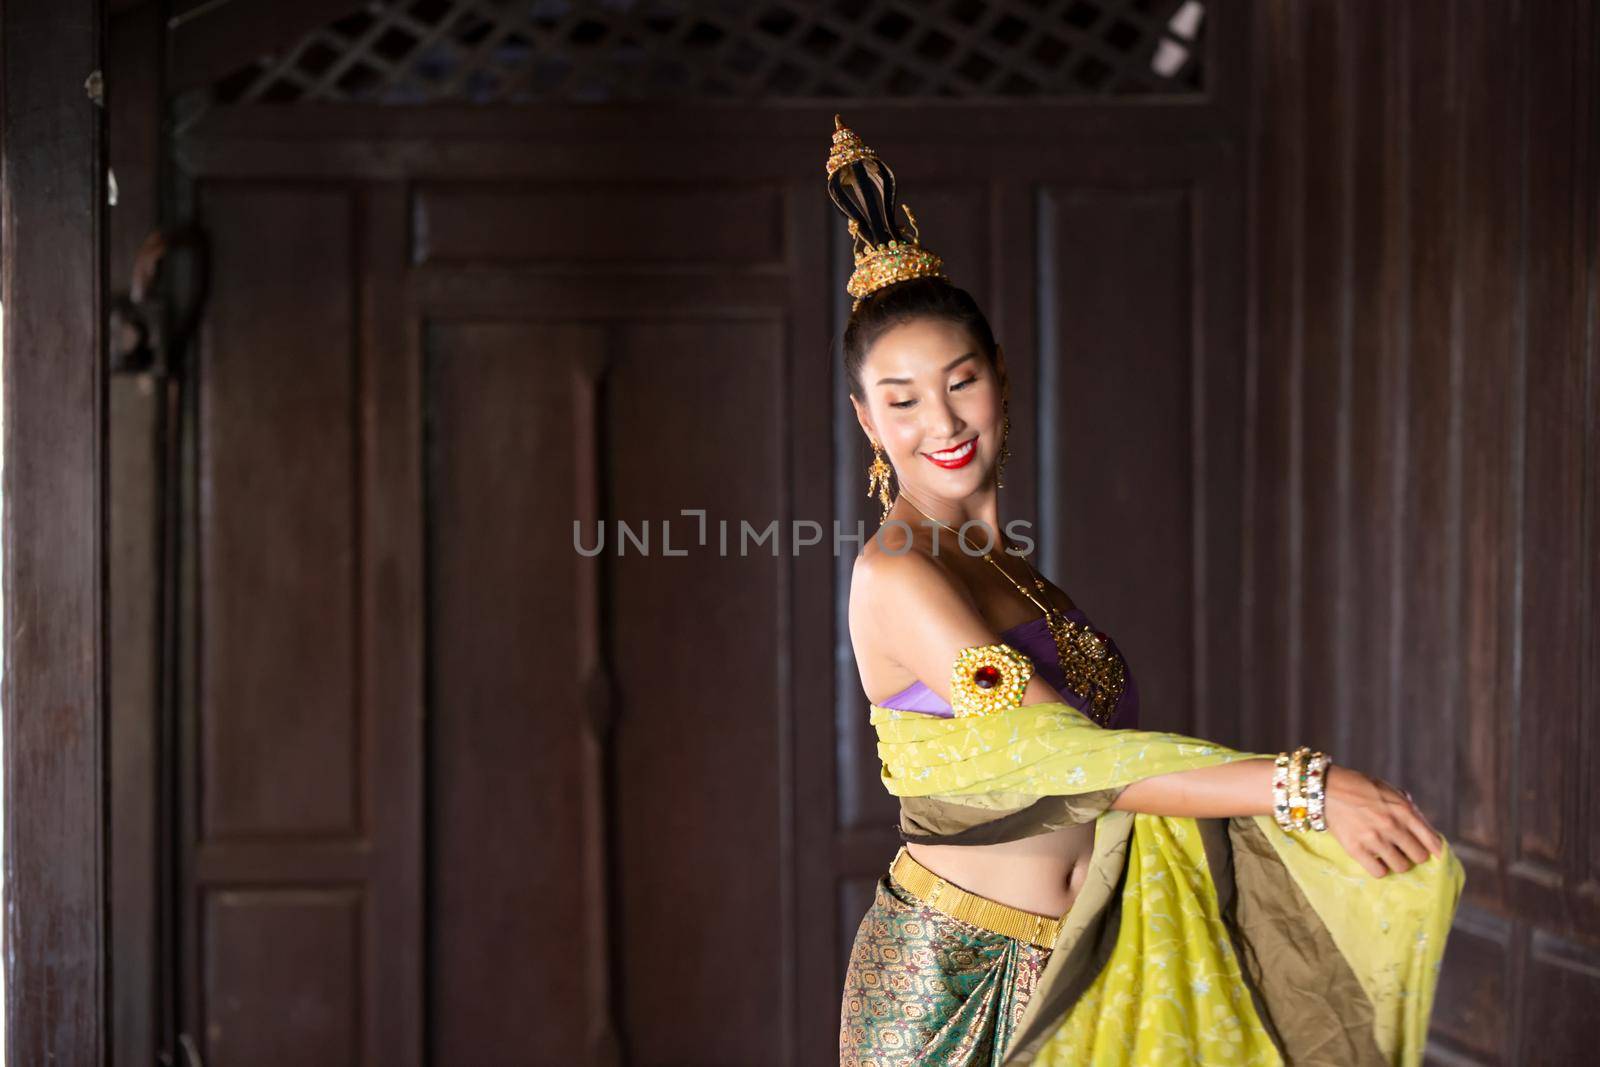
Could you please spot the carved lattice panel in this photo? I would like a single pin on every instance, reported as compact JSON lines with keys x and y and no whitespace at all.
{"x":498,"y":51}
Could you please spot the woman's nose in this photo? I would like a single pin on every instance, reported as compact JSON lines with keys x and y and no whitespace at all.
{"x":946,"y":423}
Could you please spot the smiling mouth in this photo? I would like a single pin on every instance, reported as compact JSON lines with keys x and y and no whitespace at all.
{"x":959,"y":456}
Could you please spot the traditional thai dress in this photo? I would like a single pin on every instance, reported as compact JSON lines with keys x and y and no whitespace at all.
{"x":1191,"y":941}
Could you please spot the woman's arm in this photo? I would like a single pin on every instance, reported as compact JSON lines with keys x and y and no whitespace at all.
{"x":1377,"y":824}
{"x":918,"y":614}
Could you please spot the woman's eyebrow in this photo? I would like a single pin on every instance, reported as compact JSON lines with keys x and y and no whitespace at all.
{"x":948,"y":367}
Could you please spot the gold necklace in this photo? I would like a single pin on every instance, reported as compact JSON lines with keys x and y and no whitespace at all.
{"x":1093,"y":670}
{"x":1047,"y":609}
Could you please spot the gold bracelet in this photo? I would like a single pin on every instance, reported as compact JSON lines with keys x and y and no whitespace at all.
{"x":1280,"y":791}
{"x":1298,"y":797}
{"x":1297,"y":787}
{"x":1316,"y":784}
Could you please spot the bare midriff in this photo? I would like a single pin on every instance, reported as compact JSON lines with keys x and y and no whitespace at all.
{"x":1041,"y":874}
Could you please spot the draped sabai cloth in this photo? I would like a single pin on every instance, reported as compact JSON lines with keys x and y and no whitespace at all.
{"x":1215,"y":941}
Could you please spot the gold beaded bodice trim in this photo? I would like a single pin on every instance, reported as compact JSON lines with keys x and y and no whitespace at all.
{"x":1094,"y":670}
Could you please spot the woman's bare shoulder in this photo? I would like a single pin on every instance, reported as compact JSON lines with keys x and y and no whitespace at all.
{"x":899,"y":562}
{"x":900,"y":578}
{"x":883,"y":572}
{"x":910,"y":618}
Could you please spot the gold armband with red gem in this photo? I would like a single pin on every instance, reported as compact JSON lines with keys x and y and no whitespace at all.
{"x":988,"y":679}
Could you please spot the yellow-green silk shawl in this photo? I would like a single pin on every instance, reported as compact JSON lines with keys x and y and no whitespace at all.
{"x":1216,"y":941}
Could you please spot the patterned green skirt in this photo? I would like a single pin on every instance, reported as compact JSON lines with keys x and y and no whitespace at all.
{"x":923,"y":988}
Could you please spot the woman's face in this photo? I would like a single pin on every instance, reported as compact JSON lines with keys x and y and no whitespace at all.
{"x":934,"y":403}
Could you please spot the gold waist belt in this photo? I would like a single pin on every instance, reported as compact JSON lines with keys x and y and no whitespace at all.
{"x":957,"y":903}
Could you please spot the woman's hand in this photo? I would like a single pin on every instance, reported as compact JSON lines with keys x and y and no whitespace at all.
{"x":1371,"y":819}
{"x":1376,"y":823}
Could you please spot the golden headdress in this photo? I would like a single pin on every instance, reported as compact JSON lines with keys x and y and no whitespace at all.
{"x":862,"y":186}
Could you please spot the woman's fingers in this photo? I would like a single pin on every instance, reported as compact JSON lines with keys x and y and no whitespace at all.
{"x":1434,"y":839}
{"x":1371,"y":863}
{"x":1411,"y":842}
{"x":1393,"y":857}
{"x":1425,"y":832}
{"x":1411,"y":824}
{"x":1417,"y":823}
{"x":1401,"y":829}
{"x":1358,"y":847}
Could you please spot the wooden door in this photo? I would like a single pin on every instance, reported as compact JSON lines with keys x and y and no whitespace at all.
{"x":609,"y":735}
{"x":428,"y":728}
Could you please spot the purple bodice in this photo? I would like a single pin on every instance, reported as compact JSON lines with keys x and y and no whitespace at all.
{"x":1032,"y":639}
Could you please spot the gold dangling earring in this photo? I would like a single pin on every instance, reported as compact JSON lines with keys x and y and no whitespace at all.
{"x":878,"y":478}
{"x":1005,"y":449}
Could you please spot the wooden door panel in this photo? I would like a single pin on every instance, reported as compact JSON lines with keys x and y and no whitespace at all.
{"x":1563,"y":983}
{"x":695,"y":418}
{"x":296,"y":938}
{"x":598,"y":223}
{"x":520,"y":933}
{"x":278,"y":471}
{"x":510,"y":955}
{"x":284,"y":973}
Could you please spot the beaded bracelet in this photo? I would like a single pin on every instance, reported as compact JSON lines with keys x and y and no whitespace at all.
{"x":1316,"y":782}
{"x":1297,"y":779}
{"x":1280,"y":791}
{"x":1298,"y":796}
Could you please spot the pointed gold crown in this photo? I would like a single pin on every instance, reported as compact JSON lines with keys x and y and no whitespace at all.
{"x":862,"y":187}
{"x":847,"y":147}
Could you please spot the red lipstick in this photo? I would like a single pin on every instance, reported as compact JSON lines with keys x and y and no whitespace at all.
{"x":955,"y":458}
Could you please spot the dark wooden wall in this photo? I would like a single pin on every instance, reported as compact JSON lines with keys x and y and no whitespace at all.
{"x":1422,"y":469}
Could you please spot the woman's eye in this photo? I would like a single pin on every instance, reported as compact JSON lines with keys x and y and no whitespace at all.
{"x":902,"y":403}
{"x":963,"y":384}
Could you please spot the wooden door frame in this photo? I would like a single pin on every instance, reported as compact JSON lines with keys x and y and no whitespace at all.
{"x":52,"y":283}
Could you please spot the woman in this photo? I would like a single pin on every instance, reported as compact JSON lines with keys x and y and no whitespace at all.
{"x":1073,"y":889}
